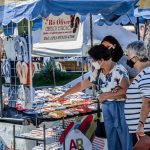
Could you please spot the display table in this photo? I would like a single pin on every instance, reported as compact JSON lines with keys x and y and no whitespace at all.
{"x":72,"y":120}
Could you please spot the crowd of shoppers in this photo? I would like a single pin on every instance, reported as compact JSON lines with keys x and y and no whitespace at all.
{"x":123,"y":89}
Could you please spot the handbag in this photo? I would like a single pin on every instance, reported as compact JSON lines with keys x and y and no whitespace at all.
{"x":143,"y":143}
{"x":100,"y":129}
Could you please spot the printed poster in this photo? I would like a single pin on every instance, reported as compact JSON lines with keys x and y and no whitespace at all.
{"x":60,"y":28}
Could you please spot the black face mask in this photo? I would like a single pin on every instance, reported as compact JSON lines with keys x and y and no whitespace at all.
{"x":130,"y":63}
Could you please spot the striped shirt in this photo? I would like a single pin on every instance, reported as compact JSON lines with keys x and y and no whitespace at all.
{"x":139,"y":88}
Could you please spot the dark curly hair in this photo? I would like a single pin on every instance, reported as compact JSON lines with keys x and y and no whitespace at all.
{"x":99,"y":52}
{"x":116,"y":53}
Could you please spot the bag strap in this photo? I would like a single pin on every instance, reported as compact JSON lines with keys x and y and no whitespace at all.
{"x":98,"y":73}
{"x":98,"y":104}
{"x":98,"y":109}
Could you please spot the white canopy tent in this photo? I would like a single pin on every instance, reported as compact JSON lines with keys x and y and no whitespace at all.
{"x":75,"y":48}
{"x":82,"y":44}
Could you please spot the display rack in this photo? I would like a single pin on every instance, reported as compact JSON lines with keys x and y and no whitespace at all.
{"x":43,"y":140}
{"x":14,"y":121}
{"x":9,"y":60}
{"x":27,"y":138}
{"x":15,"y":137}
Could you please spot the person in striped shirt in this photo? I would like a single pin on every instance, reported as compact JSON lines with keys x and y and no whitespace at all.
{"x":137,"y":106}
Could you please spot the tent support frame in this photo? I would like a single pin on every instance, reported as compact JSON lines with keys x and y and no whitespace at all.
{"x":30,"y":60}
{"x":138,"y":28}
{"x":1,"y":97}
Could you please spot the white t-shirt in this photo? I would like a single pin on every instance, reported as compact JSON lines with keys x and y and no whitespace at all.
{"x":139,"y":88}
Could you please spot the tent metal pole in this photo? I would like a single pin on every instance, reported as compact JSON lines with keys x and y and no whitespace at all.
{"x":53,"y":67}
{"x":138,"y":28}
{"x":30,"y":60}
{"x":91,"y":35}
{"x":91,"y":30}
{"x":82,"y":65}
{"x":1,"y":98}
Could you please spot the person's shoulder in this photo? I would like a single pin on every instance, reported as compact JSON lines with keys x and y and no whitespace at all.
{"x":120,"y":67}
{"x":144,"y":73}
{"x":144,"y":76}
{"x":121,"y":71}
{"x":123,"y":60}
{"x":146,"y":70}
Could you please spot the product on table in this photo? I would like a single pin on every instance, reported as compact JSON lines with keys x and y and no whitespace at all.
{"x":57,"y":114}
{"x":39,"y":134}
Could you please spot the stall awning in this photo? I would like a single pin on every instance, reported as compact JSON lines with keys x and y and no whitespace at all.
{"x":109,"y":9}
{"x":126,"y":19}
{"x":143,"y":9}
{"x":144,"y":4}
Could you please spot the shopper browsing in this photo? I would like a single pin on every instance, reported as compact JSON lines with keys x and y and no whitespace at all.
{"x":108,"y":76}
{"x":117,"y":56}
{"x":137,"y":107}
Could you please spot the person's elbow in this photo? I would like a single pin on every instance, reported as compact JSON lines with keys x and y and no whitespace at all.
{"x":123,"y":93}
{"x":146,"y":103}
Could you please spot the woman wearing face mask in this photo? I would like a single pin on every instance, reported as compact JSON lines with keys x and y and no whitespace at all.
{"x":113,"y":45}
{"x":109,"y":76}
{"x":137,"y":107}
{"x":117,"y":54}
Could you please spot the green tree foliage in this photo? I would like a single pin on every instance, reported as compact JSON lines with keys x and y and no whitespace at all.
{"x":45,"y":76}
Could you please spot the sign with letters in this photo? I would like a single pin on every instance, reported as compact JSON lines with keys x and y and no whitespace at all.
{"x":60,"y":28}
{"x":76,"y":140}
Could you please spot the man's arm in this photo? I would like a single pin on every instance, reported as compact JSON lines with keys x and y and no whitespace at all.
{"x":118,"y":93}
{"x":145,"y":109}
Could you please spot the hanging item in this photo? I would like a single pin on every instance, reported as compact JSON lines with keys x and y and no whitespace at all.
{"x":21,"y":49}
{"x":16,"y":45}
{"x":21,"y":99}
{"x":6,"y":70}
{"x":22,"y":71}
{"x":9,"y":47}
{"x":12,"y":96}
{"x":13,"y":72}
{"x":28,"y":76}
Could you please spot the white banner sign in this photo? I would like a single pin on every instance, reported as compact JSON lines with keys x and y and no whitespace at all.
{"x":60,"y":28}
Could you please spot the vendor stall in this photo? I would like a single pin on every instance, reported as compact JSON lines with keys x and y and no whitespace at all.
{"x":76,"y":112}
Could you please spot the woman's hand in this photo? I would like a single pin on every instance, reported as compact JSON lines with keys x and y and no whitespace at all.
{"x":103,"y":97}
{"x":115,"y":90}
{"x":140,"y":130}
